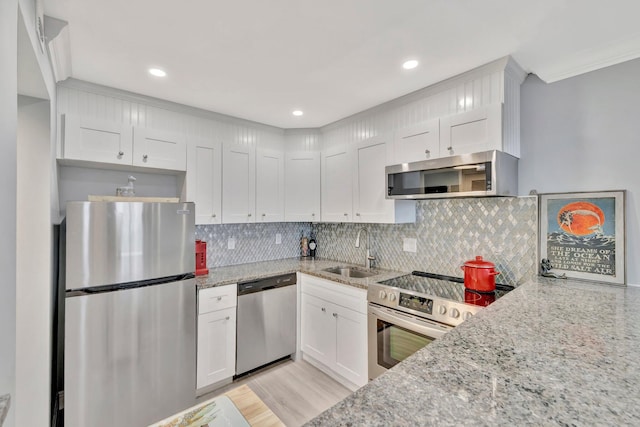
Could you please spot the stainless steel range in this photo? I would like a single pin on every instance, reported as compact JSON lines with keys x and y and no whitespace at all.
{"x":408,"y":312}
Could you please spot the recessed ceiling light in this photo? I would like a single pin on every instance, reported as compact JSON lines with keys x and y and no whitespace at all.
{"x":297,"y":113}
{"x":157,"y":72}
{"x":408,"y":65}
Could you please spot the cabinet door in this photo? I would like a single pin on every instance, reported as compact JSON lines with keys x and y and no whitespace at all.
{"x":302,"y":186}
{"x":318,"y":329}
{"x":97,"y":141}
{"x":238,"y":184}
{"x":204,"y":180}
{"x":419,"y":142}
{"x":369,"y":203}
{"x":337,"y":198}
{"x":351,"y":344}
{"x":159,"y":149}
{"x":473,"y":131}
{"x":216,"y":346}
{"x":269,"y":185}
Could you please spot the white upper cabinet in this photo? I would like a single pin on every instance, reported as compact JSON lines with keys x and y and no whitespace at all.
{"x":204,"y":179}
{"x":238,"y":184}
{"x":269,"y":185}
{"x":337,"y":194}
{"x":472,"y":131}
{"x":369,"y":186}
{"x":418,"y":142}
{"x":97,"y":141}
{"x":159,"y":149}
{"x":302,"y":186}
{"x":101,"y":141}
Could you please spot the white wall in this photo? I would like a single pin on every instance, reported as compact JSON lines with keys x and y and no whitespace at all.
{"x":8,"y":119}
{"x":583,"y":134}
{"x":33,"y":289}
{"x":33,"y":273}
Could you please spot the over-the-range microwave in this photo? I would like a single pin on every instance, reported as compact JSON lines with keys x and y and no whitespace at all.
{"x":489,"y":173}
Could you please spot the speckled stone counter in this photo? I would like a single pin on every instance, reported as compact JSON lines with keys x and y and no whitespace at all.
{"x":551,"y":352}
{"x":245,"y":272}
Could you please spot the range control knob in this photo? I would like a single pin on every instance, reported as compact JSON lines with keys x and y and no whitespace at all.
{"x":442,"y":309}
{"x":467,"y":315}
{"x":392,"y":297}
{"x":382,"y":294}
{"x":455,"y":313}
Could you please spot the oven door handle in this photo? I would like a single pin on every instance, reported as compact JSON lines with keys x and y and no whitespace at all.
{"x":412,"y":323}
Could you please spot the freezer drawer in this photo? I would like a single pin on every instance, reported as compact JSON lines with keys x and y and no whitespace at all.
{"x":130,"y":355}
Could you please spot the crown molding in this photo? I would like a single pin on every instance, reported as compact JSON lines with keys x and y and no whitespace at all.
{"x":592,"y":59}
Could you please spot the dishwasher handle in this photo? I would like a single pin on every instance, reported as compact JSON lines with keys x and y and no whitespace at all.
{"x":266,"y":284}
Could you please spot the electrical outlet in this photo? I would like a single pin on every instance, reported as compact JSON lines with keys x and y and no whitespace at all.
{"x":410,"y":245}
{"x":231,"y":243}
{"x":278,"y":238}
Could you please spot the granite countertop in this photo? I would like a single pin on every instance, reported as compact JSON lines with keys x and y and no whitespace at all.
{"x":551,"y":352}
{"x":257,"y":270}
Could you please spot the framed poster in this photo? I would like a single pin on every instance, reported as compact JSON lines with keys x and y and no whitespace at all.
{"x":583,"y":234}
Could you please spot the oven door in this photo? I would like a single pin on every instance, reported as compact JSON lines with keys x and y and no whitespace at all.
{"x":393,"y":336}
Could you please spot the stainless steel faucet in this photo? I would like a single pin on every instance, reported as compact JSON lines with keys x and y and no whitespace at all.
{"x":369,"y":257}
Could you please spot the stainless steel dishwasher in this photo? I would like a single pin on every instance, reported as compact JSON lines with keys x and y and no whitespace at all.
{"x":266,"y":328}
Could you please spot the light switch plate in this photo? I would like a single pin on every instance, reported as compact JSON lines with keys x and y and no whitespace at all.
{"x":278,"y":238}
{"x":231,"y":243}
{"x":410,"y":245}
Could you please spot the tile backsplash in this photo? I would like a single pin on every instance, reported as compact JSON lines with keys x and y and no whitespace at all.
{"x":253,"y":242}
{"x":448,"y":233}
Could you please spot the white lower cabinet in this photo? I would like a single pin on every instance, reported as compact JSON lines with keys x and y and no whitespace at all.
{"x":216,"y":356}
{"x":334,"y":329}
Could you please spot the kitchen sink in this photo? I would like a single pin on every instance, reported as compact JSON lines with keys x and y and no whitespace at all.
{"x":350,"y":272}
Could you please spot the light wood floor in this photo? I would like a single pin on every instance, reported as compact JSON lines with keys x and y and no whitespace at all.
{"x":295,"y":391}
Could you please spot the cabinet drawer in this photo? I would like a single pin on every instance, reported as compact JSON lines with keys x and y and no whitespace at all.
{"x":217,"y":298}
{"x":344,"y":295}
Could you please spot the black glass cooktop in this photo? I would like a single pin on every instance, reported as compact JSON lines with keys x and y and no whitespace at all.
{"x":448,"y":287}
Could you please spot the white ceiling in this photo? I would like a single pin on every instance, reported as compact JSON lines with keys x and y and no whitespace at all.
{"x":260,"y":60}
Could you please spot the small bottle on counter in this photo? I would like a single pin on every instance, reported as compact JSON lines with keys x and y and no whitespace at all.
{"x":312,"y":246}
{"x":304,"y":245}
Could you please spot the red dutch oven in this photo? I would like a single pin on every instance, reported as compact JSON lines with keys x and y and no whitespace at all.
{"x":480,"y":275}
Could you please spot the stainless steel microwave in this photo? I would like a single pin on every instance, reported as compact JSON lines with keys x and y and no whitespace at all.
{"x":489,"y":173}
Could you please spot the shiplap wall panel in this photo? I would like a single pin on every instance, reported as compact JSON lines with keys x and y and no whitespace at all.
{"x":486,"y":86}
{"x":122,"y":108}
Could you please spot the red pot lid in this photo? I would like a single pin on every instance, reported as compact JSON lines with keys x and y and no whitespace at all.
{"x":479,"y":263}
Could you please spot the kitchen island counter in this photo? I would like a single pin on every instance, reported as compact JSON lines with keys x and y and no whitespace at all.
{"x":551,"y":352}
{"x":221,"y":276}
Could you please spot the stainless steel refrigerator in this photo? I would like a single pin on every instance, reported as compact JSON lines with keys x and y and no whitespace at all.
{"x":129,"y":312}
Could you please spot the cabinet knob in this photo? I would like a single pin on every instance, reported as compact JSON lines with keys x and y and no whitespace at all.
{"x":120,"y":153}
{"x":346,"y":214}
{"x":227,"y":318}
{"x":213,"y":216}
{"x":357,"y":213}
{"x":219,"y":298}
{"x":335,"y":314}
{"x":450,"y":149}
{"x":324,"y":309}
{"x":313,"y":214}
{"x":263,"y":215}
{"x":249,"y":215}
{"x":145,"y":157}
